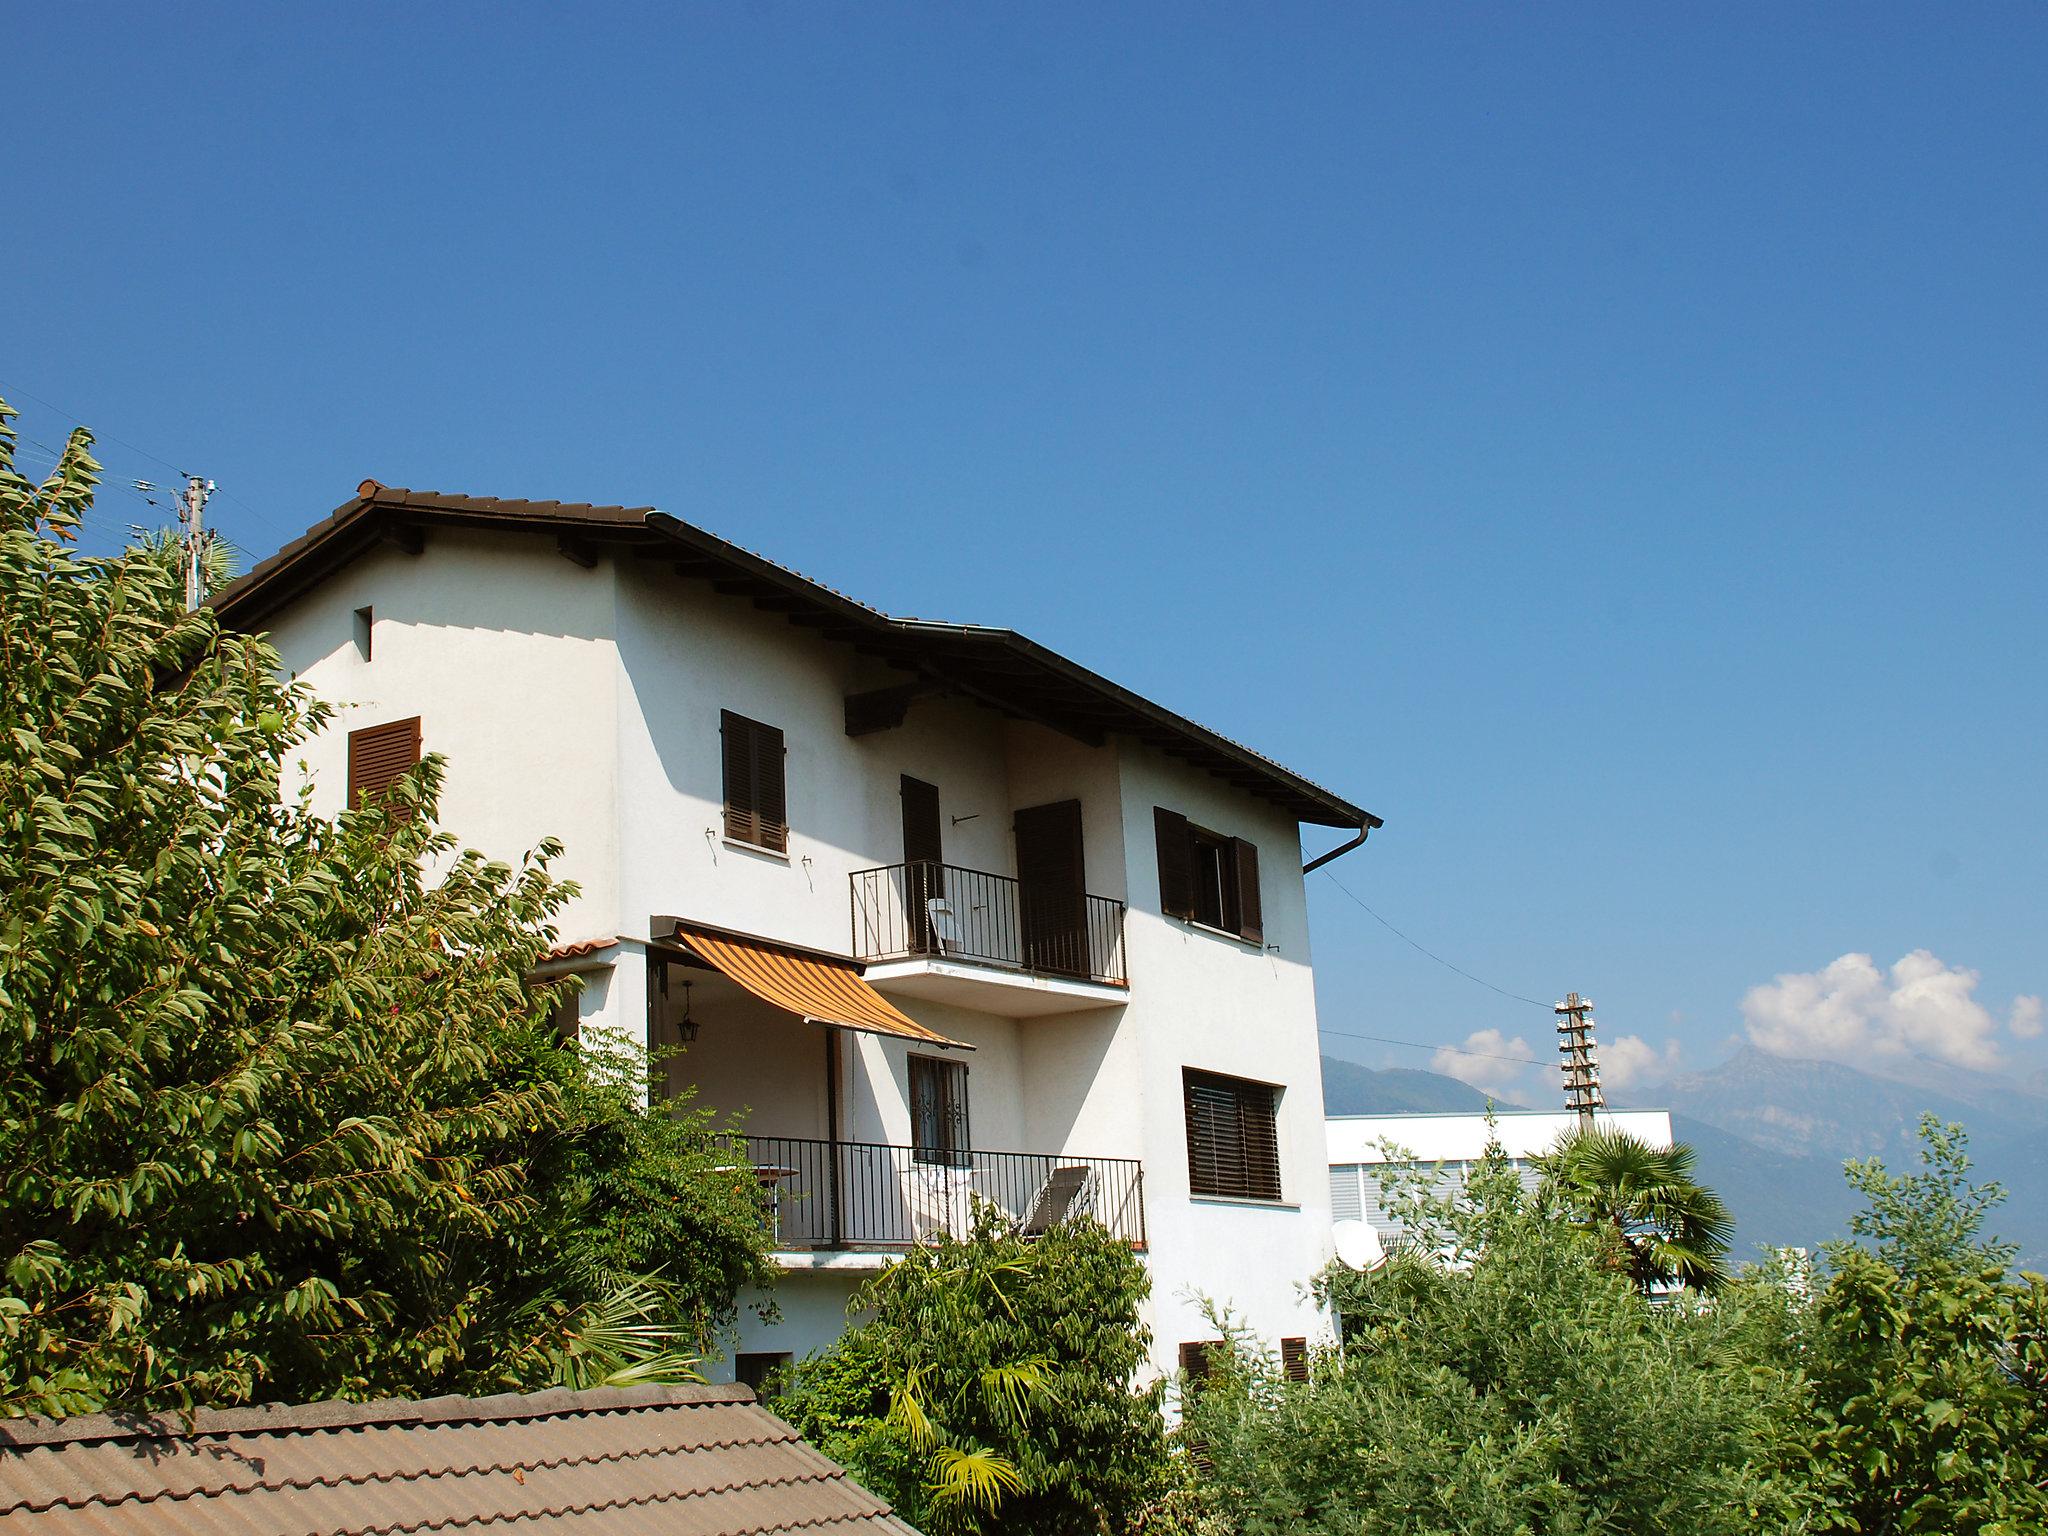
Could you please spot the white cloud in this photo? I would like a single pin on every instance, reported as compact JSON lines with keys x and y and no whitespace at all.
{"x":1478,"y":1062}
{"x":2026,"y":1017}
{"x":1629,"y":1060}
{"x":1855,"y":1011}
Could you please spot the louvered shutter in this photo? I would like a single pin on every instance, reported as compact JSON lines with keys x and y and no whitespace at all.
{"x":737,"y":738}
{"x":920,"y":821}
{"x":756,"y":803}
{"x":1176,"y":863}
{"x":1233,"y":1137}
{"x":1052,"y":903}
{"x":771,"y":794}
{"x":1250,"y":918}
{"x":379,"y":755}
{"x":1294,"y":1359}
{"x":1194,"y":1358}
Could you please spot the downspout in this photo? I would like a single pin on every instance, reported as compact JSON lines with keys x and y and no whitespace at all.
{"x":1339,"y":851}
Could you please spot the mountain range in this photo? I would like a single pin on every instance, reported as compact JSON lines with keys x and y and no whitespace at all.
{"x":1771,"y":1135}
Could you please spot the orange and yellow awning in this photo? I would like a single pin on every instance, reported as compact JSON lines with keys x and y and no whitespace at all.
{"x":821,"y":988}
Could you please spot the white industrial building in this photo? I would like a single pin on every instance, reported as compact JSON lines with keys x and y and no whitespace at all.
{"x":946,"y":915}
{"x":1445,"y":1146}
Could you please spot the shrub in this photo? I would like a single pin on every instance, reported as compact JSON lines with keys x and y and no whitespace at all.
{"x":990,"y":1387}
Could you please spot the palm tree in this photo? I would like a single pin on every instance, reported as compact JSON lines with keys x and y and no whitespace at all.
{"x":1644,"y":1206}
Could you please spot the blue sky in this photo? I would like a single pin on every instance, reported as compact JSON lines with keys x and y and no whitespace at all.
{"x":1609,"y":445}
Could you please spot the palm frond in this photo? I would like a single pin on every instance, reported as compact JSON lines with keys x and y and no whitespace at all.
{"x":1010,"y":1389}
{"x":907,"y":1410}
{"x":979,"y":1478}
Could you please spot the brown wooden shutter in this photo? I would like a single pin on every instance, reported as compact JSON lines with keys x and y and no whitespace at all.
{"x":1250,"y":917}
{"x":1294,"y":1359}
{"x":1176,"y":863}
{"x":1194,"y":1358}
{"x":771,"y":788}
{"x":921,"y":840}
{"x":756,"y":801}
{"x":1051,"y":895}
{"x":379,"y":755}
{"x":1261,"y":1131}
{"x":1233,"y":1136}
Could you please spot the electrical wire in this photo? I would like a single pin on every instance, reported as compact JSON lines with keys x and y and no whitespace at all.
{"x":269,"y":520}
{"x":1432,"y":954}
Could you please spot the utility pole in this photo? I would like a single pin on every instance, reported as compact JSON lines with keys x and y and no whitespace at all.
{"x":192,"y":514}
{"x":1581,"y":1068}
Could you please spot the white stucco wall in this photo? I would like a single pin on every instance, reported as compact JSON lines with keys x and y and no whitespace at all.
{"x":585,"y":704}
{"x":1217,"y":1003}
{"x":506,"y":652}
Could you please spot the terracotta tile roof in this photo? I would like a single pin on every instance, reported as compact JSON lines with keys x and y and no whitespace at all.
{"x":681,"y":1461}
{"x":995,"y":667}
{"x":577,"y":951}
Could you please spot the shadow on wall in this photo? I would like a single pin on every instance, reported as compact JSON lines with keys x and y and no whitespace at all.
{"x":1063,"y":1060}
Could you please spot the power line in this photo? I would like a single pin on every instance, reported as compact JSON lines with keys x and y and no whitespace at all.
{"x":269,"y":520}
{"x":72,"y":417}
{"x":1432,"y":954}
{"x":1455,"y":1050}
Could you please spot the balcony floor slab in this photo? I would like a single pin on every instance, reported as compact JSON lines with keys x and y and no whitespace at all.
{"x":1010,"y":994}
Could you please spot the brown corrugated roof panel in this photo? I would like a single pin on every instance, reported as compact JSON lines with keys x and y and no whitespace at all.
{"x":616,"y":1462}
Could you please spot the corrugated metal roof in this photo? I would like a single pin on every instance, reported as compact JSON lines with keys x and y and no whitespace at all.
{"x":681,"y":1461}
{"x":822,"y":988}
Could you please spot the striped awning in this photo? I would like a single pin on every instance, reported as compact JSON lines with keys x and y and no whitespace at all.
{"x":822,"y":988}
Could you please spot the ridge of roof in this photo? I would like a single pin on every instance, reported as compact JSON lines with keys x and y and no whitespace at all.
{"x":340,"y":1414}
{"x":1075,"y":691}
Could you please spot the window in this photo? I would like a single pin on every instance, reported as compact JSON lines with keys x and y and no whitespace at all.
{"x":764,"y":1370}
{"x":756,"y":808}
{"x":938,"y":1112}
{"x":1233,"y":1136}
{"x":1194,"y":1359}
{"x":364,"y":620}
{"x":1207,"y":878}
{"x":380,"y":755}
{"x":1294,"y":1359}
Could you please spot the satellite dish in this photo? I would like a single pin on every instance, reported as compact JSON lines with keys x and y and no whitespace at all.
{"x":1358,"y":1245}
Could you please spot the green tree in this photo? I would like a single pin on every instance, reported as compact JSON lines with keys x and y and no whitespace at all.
{"x":1644,"y":1208}
{"x":281,"y":1115}
{"x":1526,"y":1387}
{"x":991,"y":1386}
{"x":1929,"y":1361}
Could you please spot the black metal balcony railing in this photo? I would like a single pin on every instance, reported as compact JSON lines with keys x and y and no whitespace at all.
{"x":926,"y":908}
{"x":847,"y":1194}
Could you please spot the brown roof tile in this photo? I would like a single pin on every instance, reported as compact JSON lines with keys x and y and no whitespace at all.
{"x":683,"y":1461}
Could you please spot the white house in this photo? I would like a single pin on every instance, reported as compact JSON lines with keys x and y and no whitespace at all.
{"x":945,"y":914}
{"x":1444,"y":1147}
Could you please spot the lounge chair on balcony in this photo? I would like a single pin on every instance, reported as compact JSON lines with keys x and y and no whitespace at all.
{"x":944,"y":925}
{"x":1058,"y":1198}
{"x":939,"y":1199}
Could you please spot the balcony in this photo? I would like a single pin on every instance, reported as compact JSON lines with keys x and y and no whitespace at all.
{"x":989,"y":942}
{"x":828,"y":1197}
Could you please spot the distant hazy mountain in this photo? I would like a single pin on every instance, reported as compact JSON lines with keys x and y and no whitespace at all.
{"x":1771,"y":1135}
{"x":1787,"y":1126}
{"x":1349,"y":1089}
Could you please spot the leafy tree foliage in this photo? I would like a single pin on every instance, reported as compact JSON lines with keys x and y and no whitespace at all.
{"x":991,"y":1386}
{"x":1650,"y":1216}
{"x":1530,"y":1387}
{"x":281,"y":1116}
{"x":1929,"y":1361}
